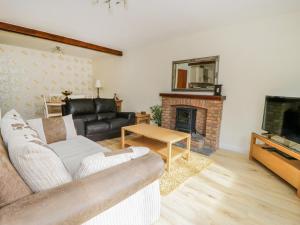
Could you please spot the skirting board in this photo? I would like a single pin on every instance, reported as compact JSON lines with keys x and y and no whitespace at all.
{"x":234,"y":148}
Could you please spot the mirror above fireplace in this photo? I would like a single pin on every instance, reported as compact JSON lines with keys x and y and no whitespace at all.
{"x":199,"y":74}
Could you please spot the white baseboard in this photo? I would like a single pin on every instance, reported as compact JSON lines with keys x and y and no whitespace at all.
{"x":234,"y":148}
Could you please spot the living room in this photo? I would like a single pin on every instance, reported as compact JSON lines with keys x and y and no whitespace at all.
{"x":131,"y":52}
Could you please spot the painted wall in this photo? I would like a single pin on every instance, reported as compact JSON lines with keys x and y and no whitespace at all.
{"x":27,"y":74}
{"x":256,"y":59}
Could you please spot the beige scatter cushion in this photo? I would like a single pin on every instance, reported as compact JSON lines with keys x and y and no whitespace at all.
{"x":12,"y":187}
{"x":54,"y":129}
{"x":103,"y":160}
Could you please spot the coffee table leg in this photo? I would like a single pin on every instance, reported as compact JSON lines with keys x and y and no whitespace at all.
{"x":122,"y":137}
{"x":169,"y":157}
{"x":188,"y":146}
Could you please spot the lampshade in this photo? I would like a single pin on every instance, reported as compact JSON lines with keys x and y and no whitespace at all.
{"x":98,"y":84}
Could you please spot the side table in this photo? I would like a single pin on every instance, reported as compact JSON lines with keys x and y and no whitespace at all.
{"x":142,"y":118}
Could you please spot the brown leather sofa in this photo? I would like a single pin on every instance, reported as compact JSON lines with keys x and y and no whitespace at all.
{"x":76,"y":202}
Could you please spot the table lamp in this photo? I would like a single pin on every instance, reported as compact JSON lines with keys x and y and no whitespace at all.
{"x":98,"y":85}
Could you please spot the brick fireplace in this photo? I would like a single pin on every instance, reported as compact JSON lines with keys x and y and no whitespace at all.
{"x":209,"y":114}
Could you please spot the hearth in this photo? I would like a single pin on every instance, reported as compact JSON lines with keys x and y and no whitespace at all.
{"x":186,"y":119}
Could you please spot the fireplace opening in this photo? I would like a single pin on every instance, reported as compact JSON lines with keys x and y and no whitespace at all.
{"x":192,"y":120}
{"x":186,"y":119}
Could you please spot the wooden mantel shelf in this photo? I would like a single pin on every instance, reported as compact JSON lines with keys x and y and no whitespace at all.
{"x":205,"y":97}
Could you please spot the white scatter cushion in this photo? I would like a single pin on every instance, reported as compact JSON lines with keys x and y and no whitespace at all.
{"x":37,"y":164}
{"x":54,"y":129}
{"x":138,"y":152}
{"x":69,"y":123}
{"x":12,"y":124}
{"x":103,"y":160}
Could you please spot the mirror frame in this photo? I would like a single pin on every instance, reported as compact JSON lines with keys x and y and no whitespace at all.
{"x":211,"y":58}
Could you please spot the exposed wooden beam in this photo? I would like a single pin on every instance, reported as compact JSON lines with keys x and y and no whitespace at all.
{"x":57,"y":38}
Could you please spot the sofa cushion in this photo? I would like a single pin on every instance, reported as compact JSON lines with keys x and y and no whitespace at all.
{"x":107,"y":115}
{"x":54,"y":129}
{"x":96,"y":126}
{"x":72,"y":151}
{"x":103,"y":160}
{"x":12,"y":186}
{"x":80,"y":106}
{"x":37,"y":164}
{"x":105,"y":105}
{"x":86,"y":117}
{"x":117,"y":122}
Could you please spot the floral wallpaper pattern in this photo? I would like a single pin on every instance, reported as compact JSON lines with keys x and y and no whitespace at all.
{"x":27,"y":74}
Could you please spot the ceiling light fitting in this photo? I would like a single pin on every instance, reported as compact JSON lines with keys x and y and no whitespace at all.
{"x":58,"y":50}
{"x":111,"y":3}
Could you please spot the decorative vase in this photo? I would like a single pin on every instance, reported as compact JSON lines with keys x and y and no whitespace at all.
{"x":66,"y":94}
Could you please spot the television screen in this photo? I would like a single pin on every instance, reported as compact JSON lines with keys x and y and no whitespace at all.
{"x":282,"y":117}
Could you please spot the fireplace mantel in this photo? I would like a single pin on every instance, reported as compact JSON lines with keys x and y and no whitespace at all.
{"x":204,"y":97}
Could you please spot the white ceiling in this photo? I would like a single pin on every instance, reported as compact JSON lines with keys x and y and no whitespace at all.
{"x":143,"y":21}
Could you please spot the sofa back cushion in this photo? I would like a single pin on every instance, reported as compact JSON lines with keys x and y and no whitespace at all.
{"x":12,"y":186}
{"x":54,"y":129}
{"x":106,"y":115}
{"x":80,"y":107}
{"x":104,"y":105}
{"x":37,"y":163}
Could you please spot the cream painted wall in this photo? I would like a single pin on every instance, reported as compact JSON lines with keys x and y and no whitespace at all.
{"x":27,"y":74}
{"x":256,"y":59}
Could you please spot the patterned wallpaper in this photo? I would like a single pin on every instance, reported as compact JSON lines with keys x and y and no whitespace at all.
{"x":27,"y":74}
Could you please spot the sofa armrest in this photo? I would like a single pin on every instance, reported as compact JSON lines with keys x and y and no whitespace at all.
{"x":79,"y":126}
{"x":128,"y":115}
{"x":77,"y":202}
{"x":64,"y":110}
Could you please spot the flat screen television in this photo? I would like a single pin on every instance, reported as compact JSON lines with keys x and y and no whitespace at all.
{"x":282,"y":117}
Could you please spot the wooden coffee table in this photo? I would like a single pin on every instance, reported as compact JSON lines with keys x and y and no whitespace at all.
{"x":158,"y":139}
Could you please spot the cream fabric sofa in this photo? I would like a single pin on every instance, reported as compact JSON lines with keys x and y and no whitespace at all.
{"x":126,"y":194}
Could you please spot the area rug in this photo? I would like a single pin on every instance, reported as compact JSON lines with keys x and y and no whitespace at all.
{"x":202,"y":150}
{"x":181,"y":170}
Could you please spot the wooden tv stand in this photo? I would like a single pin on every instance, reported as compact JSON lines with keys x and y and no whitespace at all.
{"x":287,"y":169}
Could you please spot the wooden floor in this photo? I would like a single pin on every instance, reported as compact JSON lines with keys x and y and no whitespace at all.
{"x":232,"y":190}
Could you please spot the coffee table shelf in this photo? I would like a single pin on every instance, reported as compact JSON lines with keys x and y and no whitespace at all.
{"x":146,"y":142}
{"x":158,"y":139}
{"x":157,"y":146}
{"x":177,"y":152}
